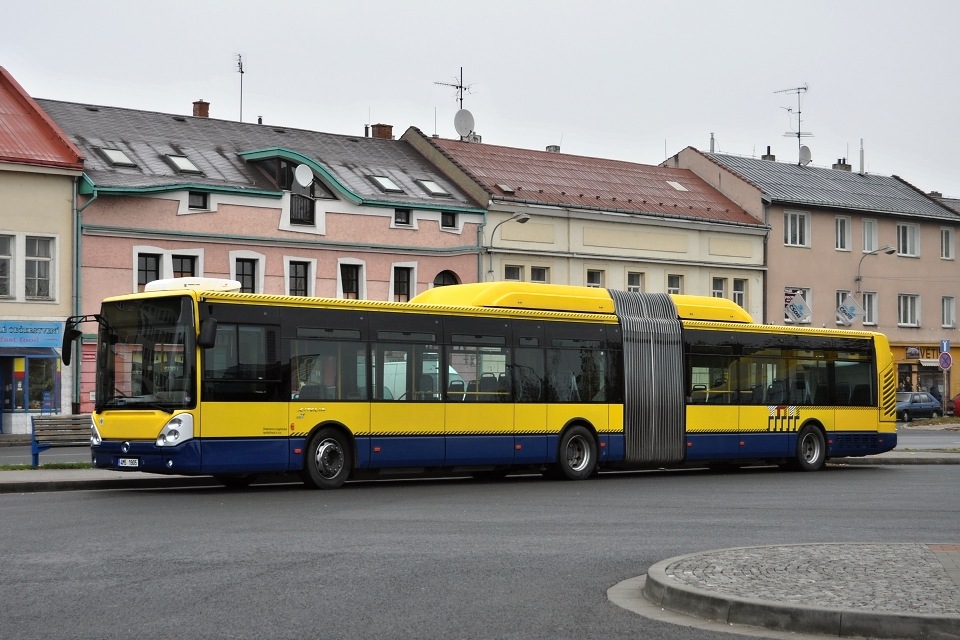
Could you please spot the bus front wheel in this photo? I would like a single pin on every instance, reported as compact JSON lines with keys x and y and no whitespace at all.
{"x":329,"y":460}
{"x":811,"y":449}
{"x":577,"y":457}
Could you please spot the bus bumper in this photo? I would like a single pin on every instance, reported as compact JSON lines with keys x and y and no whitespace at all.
{"x":147,"y":456}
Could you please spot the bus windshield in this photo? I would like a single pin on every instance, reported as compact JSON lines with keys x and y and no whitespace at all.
{"x":145,"y":356}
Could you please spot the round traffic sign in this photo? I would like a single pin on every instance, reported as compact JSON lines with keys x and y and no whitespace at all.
{"x":946,"y":360}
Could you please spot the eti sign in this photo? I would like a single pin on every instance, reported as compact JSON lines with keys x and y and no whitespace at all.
{"x":795,"y":307}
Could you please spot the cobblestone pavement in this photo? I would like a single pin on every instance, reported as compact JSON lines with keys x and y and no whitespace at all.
{"x":907,"y":590}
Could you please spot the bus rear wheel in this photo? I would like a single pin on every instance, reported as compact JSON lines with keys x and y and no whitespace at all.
{"x":577,"y":457}
{"x":811,"y":449}
{"x":329,"y":460}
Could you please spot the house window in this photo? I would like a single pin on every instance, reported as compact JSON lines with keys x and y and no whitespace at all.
{"x":183,"y":164}
{"x":386,"y":184}
{"x":594,"y":278}
{"x":908,"y":310}
{"x":740,"y":292}
{"x":198,"y":200}
{"x":303,"y":210}
{"x":350,"y":281}
{"x":37,"y":268}
{"x":843,"y":233}
{"x":946,"y":243}
{"x":908,"y":240}
{"x":674,"y":284}
{"x":869,"y":305}
{"x":796,"y":228}
{"x":719,"y":288}
{"x":148,"y":269}
{"x":6,"y":266}
{"x":869,"y":235}
{"x":448,"y":220}
{"x":540,"y":274}
{"x":401,"y":283}
{"x":247,"y":274}
{"x":184,"y":266}
{"x":297,"y":278}
{"x":790,"y":293}
{"x":401,"y":217}
{"x":512,"y":272}
{"x":445,"y":279}
{"x":635,"y":281}
{"x":840,"y":298}
{"x":948,"y":311}
{"x":38,"y":384}
{"x":117,"y":158}
{"x":433,"y":188}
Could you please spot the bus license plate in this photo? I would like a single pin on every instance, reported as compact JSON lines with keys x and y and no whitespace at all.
{"x":129,"y":462}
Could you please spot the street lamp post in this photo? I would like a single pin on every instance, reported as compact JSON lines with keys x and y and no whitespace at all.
{"x":521,"y":218}
{"x":889,"y":250}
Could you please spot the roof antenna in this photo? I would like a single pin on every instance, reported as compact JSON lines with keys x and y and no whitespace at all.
{"x":240,"y":69}
{"x":458,"y":85}
{"x":799,"y":134}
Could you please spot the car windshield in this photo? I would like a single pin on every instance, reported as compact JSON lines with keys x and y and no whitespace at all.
{"x":145,"y":354}
{"x":904,"y":396}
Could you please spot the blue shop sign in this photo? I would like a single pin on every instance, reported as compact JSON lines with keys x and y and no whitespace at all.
{"x":23,"y":333}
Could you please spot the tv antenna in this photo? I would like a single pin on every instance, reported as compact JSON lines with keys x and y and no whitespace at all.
{"x":798,"y":133}
{"x":240,"y":69}
{"x":458,"y":85}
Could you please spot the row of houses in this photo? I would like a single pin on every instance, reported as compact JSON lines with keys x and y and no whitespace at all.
{"x":98,"y":201}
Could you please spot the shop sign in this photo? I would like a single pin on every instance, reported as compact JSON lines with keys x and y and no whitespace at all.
{"x":23,"y":333}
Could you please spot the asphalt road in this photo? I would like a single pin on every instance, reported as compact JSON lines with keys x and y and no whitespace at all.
{"x":521,"y":558}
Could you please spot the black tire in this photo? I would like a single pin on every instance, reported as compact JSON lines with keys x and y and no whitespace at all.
{"x":577,"y":454}
{"x":936,"y":413}
{"x":237,"y":482}
{"x":328,"y":460}
{"x":811,"y":449}
{"x":906,"y":416}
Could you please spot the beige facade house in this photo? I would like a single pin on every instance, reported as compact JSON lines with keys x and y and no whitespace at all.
{"x":862,"y":250}
{"x":560,"y":218}
{"x":38,"y":168}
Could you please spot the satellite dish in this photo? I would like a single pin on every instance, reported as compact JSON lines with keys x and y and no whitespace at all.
{"x":463,"y":123}
{"x":805,"y":157}
{"x":303,"y":175}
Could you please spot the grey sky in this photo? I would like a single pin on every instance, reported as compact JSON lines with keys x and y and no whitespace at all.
{"x":629,"y":80}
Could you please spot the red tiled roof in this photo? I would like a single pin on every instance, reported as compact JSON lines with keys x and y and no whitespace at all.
{"x":593,"y":183}
{"x":28,"y":135}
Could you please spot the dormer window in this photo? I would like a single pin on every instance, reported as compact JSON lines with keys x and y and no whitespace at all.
{"x":386,"y":184}
{"x":183,"y":164}
{"x":433,"y":188}
{"x":117,"y":158}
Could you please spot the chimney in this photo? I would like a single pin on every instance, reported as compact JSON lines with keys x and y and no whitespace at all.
{"x":768,"y":156}
{"x":383,"y":131}
{"x":553,"y":148}
{"x":842,"y":165}
{"x":201,"y":109}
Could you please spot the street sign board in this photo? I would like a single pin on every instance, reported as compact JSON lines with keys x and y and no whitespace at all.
{"x":946,"y":360}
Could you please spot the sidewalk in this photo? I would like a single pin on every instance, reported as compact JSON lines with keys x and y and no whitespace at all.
{"x":841,"y":590}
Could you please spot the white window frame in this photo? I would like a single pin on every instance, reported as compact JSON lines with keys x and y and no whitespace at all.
{"x":546,"y":274}
{"x":869,"y":304}
{"x":675,"y":289}
{"x":362,"y":284}
{"x":718,"y":291}
{"x":513,"y":269}
{"x":908,"y":310}
{"x":948,"y":312}
{"x":50,"y":261}
{"x":841,"y":295}
{"x":11,"y":262}
{"x":637,"y":286}
{"x":947,"y":251}
{"x":842,"y":225}
{"x":412,"y":267}
{"x":166,"y":261}
{"x":740,"y":287}
{"x":870,"y":235}
{"x":796,"y":228}
{"x":599,"y":284}
{"x":259,"y":258}
{"x":908,"y":240}
{"x":311,"y":274}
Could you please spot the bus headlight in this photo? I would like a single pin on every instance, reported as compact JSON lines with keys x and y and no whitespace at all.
{"x":95,"y":438}
{"x":178,"y":429}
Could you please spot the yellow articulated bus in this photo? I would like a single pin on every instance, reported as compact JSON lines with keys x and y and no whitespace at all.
{"x":193,"y":377}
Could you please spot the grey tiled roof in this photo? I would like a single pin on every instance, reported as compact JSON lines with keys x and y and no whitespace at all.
{"x":214,"y":147}
{"x":787,"y":183}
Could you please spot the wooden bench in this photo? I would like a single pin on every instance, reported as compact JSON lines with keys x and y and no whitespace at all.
{"x":59,"y":431}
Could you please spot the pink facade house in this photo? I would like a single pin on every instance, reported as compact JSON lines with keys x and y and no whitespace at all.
{"x":283,"y":211}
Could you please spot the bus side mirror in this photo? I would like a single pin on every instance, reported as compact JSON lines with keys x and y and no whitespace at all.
{"x":70,"y":334}
{"x":208,"y":333}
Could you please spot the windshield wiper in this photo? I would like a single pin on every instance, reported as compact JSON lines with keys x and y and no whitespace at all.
{"x":135,"y":404}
